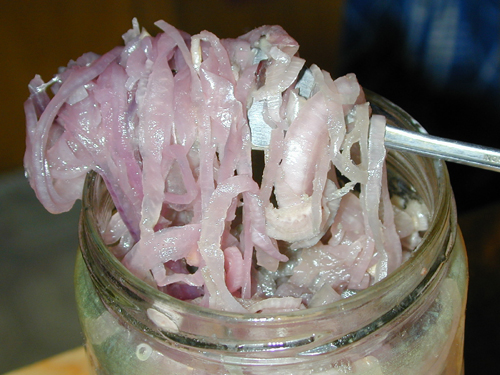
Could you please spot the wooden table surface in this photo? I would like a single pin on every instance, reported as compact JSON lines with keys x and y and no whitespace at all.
{"x":72,"y":362}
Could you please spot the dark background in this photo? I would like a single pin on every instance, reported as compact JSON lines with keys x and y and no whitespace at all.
{"x":376,"y":50}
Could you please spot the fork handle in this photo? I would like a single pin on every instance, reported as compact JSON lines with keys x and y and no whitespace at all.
{"x":447,"y":149}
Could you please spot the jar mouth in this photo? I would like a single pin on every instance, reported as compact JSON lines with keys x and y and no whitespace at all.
{"x":426,"y":259}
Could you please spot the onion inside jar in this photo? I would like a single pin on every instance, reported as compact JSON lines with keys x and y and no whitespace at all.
{"x":164,"y":121}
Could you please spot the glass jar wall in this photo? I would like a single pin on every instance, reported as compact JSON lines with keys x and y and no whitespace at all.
{"x":411,"y":322}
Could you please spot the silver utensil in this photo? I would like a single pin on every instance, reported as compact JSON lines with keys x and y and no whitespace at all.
{"x":395,"y":138}
{"x":442,"y":148}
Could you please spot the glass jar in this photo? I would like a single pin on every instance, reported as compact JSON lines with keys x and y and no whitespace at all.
{"x":412,"y":322}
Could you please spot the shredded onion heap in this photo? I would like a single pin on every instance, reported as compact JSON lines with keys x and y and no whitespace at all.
{"x":164,"y":121}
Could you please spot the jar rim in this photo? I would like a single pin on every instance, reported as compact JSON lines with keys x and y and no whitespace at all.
{"x":443,"y":206}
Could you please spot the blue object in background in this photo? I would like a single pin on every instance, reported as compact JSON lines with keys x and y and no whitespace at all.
{"x":453,"y":44}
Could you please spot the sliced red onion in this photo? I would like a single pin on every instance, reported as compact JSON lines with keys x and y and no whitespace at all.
{"x":164,"y":121}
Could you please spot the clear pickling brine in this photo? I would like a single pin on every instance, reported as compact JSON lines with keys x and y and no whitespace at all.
{"x":410,"y":322}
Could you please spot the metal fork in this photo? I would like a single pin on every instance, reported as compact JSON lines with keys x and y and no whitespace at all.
{"x":442,"y":148}
{"x":395,"y":138}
